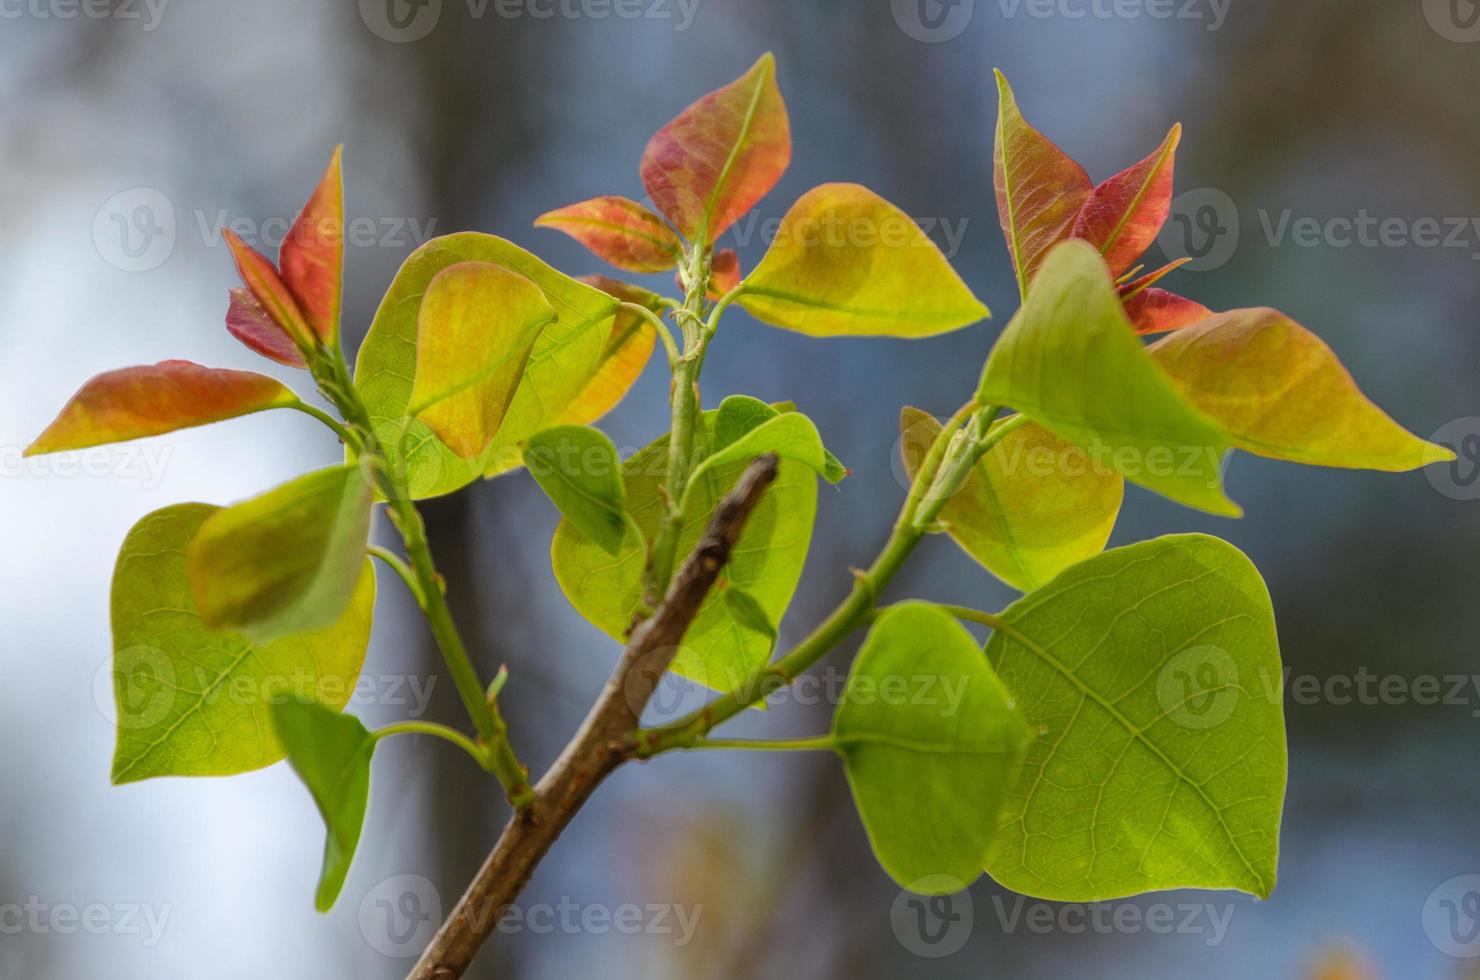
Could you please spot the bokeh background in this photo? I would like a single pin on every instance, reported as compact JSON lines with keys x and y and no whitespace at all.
{"x":131,"y":132}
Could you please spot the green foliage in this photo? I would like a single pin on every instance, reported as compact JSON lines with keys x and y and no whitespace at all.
{"x":931,"y":742}
{"x":579,"y":469}
{"x":193,"y":701}
{"x":1152,"y":676}
{"x":331,"y":754}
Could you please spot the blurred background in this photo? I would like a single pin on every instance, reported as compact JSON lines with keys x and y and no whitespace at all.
{"x":132,"y":132}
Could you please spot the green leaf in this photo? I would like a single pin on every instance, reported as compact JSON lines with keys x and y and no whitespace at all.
{"x":1071,"y":361}
{"x":568,"y":353}
{"x":931,"y":742}
{"x":194,"y":701}
{"x":477,"y":325}
{"x":577,"y":466}
{"x":742,"y":434}
{"x":1152,"y":674}
{"x":331,"y":754}
{"x":1281,"y":392}
{"x":717,"y":651}
{"x":1032,"y":506}
{"x":847,"y":263}
{"x":749,"y":614}
{"x":286,"y":561}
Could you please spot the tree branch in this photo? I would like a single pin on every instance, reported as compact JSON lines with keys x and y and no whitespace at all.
{"x":601,"y":745}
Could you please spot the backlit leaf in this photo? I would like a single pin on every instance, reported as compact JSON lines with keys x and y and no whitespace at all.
{"x":846,"y":262}
{"x":790,"y":435}
{"x":261,"y":278}
{"x":1281,"y":392}
{"x":331,"y":753}
{"x":194,"y":701}
{"x":248,"y":321}
{"x":724,"y":272}
{"x":1156,"y":310}
{"x":767,"y":561}
{"x":577,"y":466}
{"x":931,"y":741}
{"x":1071,"y":361}
{"x":619,"y":230}
{"x":1151,"y":675}
{"x":1040,"y":189}
{"x":1032,"y":506}
{"x":135,"y":402}
{"x":1124,"y":214}
{"x":721,"y":155}
{"x":566,"y":356}
{"x":312,"y":255}
{"x":286,"y":561}
{"x":477,"y":325}
{"x":628,"y":350}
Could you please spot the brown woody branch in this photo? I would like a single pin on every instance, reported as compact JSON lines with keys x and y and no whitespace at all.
{"x":601,"y":745}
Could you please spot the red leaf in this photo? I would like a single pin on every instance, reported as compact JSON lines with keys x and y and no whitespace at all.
{"x":250,"y":323}
{"x":724,"y":272}
{"x":619,"y":230}
{"x":1124,"y":214}
{"x":261,"y":277}
{"x":312,"y":256}
{"x":148,"y":401}
{"x":1156,"y":310}
{"x":721,"y":155}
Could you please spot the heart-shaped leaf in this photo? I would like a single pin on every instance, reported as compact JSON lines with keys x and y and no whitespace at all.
{"x":1124,"y":214}
{"x":931,"y":742}
{"x":1072,"y":362}
{"x":331,"y":753}
{"x":567,"y":355}
{"x":846,"y":262}
{"x":135,"y":402}
{"x":743,"y":430}
{"x":477,"y":325}
{"x":312,"y":256}
{"x":1033,"y":505}
{"x":194,"y":701}
{"x":721,"y":155}
{"x":628,"y":350}
{"x":1040,"y":189}
{"x":577,"y":466}
{"x":286,"y":561}
{"x":766,"y":562}
{"x":619,"y":230}
{"x":1152,"y":675}
{"x":1281,"y":392}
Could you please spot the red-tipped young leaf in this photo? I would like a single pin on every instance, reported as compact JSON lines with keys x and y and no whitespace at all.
{"x":628,"y":350}
{"x":1040,"y":189}
{"x":619,"y":230}
{"x":262,"y":279}
{"x":249,"y":322}
{"x":477,"y":325}
{"x":1280,"y":392}
{"x":312,"y":256}
{"x":135,"y":402}
{"x":1124,"y":214}
{"x":1157,"y":310}
{"x":724,"y":272}
{"x":721,"y":155}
